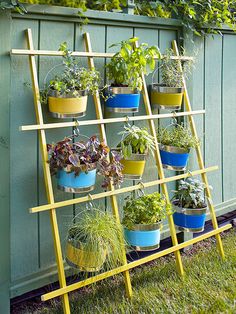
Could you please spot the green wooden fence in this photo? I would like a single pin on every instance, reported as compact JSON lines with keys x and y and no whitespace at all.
{"x":27,"y":237}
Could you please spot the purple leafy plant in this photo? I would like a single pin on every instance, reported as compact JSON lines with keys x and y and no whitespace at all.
{"x":84,"y":156}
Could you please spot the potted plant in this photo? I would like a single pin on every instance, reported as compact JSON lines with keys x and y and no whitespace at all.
{"x":66,"y":93}
{"x":95,"y":241}
{"x":124,"y":70}
{"x":142,"y":220}
{"x":134,"y":147}
{"x":76,"y":164}
{"x":169,"y":93}
{"x":175,"y":144}
{"x":190,"y":206}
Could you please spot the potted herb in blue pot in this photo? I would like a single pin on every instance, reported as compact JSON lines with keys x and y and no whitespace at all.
{"x":175,"y":144}
{"x":124,"y":70}
{"x":190,"y":206}
{"x":142,"y":221}
{"x":77,"y":163}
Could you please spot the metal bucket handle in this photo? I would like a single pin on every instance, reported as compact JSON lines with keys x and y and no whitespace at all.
{"x":53,"y":68}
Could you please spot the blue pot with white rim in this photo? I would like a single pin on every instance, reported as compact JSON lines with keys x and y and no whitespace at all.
{"x":122,"y":99}
{"x":82,"y":183}
{"x":189,"y":219}
{"x":174,"y":158}
{"x":144,"y":237}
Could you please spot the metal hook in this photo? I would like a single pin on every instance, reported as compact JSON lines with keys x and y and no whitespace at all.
{"x":174,"y":119}
{"x":141,"y":189}
{"x":89,"y":204}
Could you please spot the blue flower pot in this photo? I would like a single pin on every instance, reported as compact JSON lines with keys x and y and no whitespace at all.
{"x":143,"y":237}
{"x":174,"y":158}
{"x":122,"y":99}
{"x":68,"y":182}
{"x":188,"y":219}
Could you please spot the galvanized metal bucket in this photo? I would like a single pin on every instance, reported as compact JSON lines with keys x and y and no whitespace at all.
{"x":144,"y":237}
{"x":84,"y":182}
{"x":189,"y":219}
{"x":174,"y":158}
{"x":83,"y":260}
{"x":166,"y":97}
{"x":122,"y":99}
{"x":69,"y":105}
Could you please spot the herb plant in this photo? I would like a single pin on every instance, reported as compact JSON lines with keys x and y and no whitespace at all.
{"x":171,"y":74}
{"x":127,"y":65}
{"x":73,"y":79}
{"x":80,"y":156}
{"x":190,"y":194}
{"x":135,"y":140}
{"x":178,"y":136}
{"x":99,"y":232}
{"x":147,"y":209}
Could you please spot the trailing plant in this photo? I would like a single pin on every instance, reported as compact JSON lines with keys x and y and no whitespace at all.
{"x":13,"y":4}
{"x":171,"y":73}
{"x":147,"y":209}
{"x":178,"y":136}
{"x":190,"y":194}
{"x":73,"y":78}
{"x":135,"y":140}
{"x":127,"y":65}
{"x":80,"y":156}
{"x":99,"y":232}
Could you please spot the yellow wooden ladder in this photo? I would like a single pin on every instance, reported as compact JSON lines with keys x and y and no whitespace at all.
{"x":52,"y":206}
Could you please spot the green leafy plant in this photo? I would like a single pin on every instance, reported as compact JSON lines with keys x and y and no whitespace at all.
{"x":127,"y":65}
{"x":147,"y":209}
{"x":135,"y":140}
{"x":99,"y":232}
{"x":13,"y":4}
{"x":178,"y":136}
{"x":190,"y":194}
{"x":171,"y":74}
{"x":77,"y":156}
{"x":73,"y":79}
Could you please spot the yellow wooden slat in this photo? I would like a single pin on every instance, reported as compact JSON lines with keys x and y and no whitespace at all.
{"x":199,"y":156}
{"x":102,"y":130}
{"x":47,"y":175}
{"x":106,"y":121}
{"x":87,"y":198}
{"x":134,"y":264}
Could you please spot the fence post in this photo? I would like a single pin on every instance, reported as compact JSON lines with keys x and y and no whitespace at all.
{"x":130,"y":7}
{"x":5,"y":36}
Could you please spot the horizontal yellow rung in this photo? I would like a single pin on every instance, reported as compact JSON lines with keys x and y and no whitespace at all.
{"x":56,"y":53}
{"x":119,"y":191}
{"x":106,"y":121}
{"x":131,"y":265}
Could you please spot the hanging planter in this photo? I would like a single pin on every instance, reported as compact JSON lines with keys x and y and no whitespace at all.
{"x":142,"y":221}
{"x":73,"y":183}
{"x":68,"y":106}
{"x":122,"y":99}
{"x":134,"y":166}
{"x":166,"y":97}
{"x":169,"y":94}
{"x":67,"y":93}
{"x":135,"y":144}
{"x":76,"y":164}
{"x":175,"y":144}
{"x":189,"y":206}
{"x":125,"y":71}
{"x":94,"y":241}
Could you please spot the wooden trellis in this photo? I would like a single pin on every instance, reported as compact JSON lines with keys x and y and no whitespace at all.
{"x":52,"y":206}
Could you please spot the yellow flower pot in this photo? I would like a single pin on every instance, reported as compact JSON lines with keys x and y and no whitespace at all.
{"x":166,"y":97}
{"x":134,"y":166}
{"x":69,"y":106}
{"x":83,"y":260}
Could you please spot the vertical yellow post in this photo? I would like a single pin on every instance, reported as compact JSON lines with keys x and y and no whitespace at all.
{"x":199,"y":156}
{"x":102,"y":130}
{"x":47,"y":175}
{"x":161,"y":174}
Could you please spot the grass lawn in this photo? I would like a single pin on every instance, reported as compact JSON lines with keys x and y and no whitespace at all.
{"x":209,"y":286}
